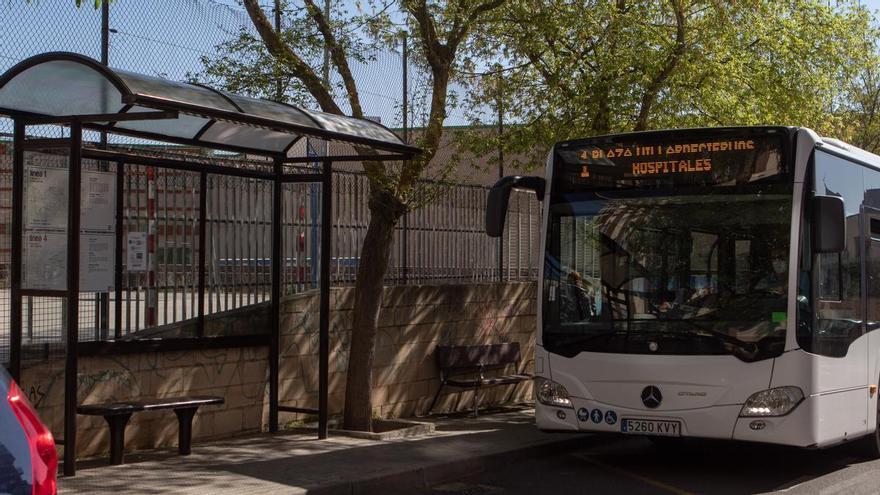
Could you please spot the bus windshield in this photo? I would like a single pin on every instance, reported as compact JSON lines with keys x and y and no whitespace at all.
{"x":695,"y":270}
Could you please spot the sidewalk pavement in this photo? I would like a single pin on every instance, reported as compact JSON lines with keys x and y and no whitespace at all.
{"x":296,"y":463}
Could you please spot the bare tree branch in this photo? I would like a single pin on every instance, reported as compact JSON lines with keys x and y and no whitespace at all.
{"x":440,"y":55}
{"x":284,"y":54}
{"x":337,"y":54}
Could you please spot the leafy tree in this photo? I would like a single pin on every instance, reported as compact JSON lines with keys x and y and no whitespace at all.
{"x":285,"y":64}
{"x":590,"y":67}
{"x":861,"y":111}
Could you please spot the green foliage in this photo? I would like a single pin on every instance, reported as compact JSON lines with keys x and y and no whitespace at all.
{"x":589,"y":67}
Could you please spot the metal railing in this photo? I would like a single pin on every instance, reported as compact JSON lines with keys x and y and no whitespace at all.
{"x":443,"y":242}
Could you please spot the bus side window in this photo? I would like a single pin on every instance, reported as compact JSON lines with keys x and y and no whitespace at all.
{"x":830,"y":286}
{"x":837,"y":276}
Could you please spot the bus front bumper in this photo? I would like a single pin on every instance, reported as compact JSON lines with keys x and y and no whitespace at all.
{"x":720,"y":422}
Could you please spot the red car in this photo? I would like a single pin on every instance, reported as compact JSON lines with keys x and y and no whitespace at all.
{"x":28,"y":459}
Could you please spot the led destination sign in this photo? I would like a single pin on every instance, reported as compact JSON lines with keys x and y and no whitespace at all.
{"x":659,"y":154}
{"x":671,"y":161}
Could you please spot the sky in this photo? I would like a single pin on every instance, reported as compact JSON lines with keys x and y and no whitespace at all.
{"x":167,"y":38}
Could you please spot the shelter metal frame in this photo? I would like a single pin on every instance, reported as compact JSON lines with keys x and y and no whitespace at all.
{"x":160,"y":109}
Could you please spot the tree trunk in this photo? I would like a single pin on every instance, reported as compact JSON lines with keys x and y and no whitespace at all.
{"x":372,"y":266}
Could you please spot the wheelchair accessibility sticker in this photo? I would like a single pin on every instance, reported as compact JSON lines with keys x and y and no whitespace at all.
{"x":610,"y":417}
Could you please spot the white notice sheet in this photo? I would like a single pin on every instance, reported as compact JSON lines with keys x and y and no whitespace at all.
{"x":45,"y":261}
{"x":45,"y":192}
{"x":136,"y":252}
{"x":96,"y":262}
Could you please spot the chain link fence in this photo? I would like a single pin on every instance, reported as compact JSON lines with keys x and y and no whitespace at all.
{"x":443,"y":242}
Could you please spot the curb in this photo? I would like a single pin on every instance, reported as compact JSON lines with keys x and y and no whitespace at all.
{"x":423,"y":477}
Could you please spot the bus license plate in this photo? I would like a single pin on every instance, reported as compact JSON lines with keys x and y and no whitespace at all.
{"x":650,"y":427}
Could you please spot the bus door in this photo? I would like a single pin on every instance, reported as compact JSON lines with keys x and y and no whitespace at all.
{"x":838,"y":340}
{"x":872,"y":299}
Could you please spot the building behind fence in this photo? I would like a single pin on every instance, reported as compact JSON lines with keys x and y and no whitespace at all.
{"x":443,"y":242}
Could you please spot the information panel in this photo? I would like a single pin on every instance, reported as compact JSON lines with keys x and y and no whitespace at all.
{"x":97,"y":245}
{"x":46,"y":198}
{"x":44,"y":264}
{"x":44,"y":260}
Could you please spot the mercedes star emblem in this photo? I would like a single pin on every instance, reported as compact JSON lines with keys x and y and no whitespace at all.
{"x":651,"y":397}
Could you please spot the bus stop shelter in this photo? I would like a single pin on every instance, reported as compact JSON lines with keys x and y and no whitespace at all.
{"x":82,"y":95}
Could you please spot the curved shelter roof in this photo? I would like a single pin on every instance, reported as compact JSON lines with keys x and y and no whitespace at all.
{"x":61,"y":84}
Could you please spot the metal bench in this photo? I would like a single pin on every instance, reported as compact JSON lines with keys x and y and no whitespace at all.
{"x":474,"y":360}
{"x":117,"y":415}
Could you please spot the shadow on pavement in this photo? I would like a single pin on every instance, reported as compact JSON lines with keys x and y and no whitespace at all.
{"x":298,"y":463}
{"x":637,"y":465}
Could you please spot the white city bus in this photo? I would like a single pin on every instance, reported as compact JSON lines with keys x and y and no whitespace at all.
{"x":715,"y":283}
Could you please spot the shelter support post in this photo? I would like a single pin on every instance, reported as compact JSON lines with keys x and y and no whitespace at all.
{"x":120,"y":227}
{"x":15,"y":319}
{"x":70,"y":367}
{"x":404,"y":235}
{"x":275,"y":340}
{"x":203,"y":253}
{"x":324,"y":335}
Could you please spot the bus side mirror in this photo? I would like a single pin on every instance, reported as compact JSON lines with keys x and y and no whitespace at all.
{"x":499,"y":195}
{"x":829,"y":224}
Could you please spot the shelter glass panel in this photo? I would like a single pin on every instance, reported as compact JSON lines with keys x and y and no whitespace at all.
{"x":185,"y":126}
{"x":61,"y":87}
{"x":166,"y":89}
{"x":5,"y":255}
{"x":354,"y":127}
{"x":239,"y":250}
{"x":301,"y":234}
{"x":160,"y":253}
{"x":250,"y":137}
{"x":271,"y":110}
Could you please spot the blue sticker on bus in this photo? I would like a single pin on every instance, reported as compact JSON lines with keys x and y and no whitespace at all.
{"x":583,"y":414}
{"x":610,"y":417}
{"x":596,"y":416}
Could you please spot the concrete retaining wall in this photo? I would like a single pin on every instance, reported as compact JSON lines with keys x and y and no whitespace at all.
{"x":414,"y":321}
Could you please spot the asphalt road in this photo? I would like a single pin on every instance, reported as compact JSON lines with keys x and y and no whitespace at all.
{"x":637,"y":466}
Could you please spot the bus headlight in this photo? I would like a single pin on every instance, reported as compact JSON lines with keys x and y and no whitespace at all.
{"x":551,"y":393}
{"x":773,"y":402}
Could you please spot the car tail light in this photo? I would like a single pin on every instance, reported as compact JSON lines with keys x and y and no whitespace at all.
{"x":44,"y":458}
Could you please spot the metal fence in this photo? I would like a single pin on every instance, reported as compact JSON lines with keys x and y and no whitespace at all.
{"x":443,"y":242}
